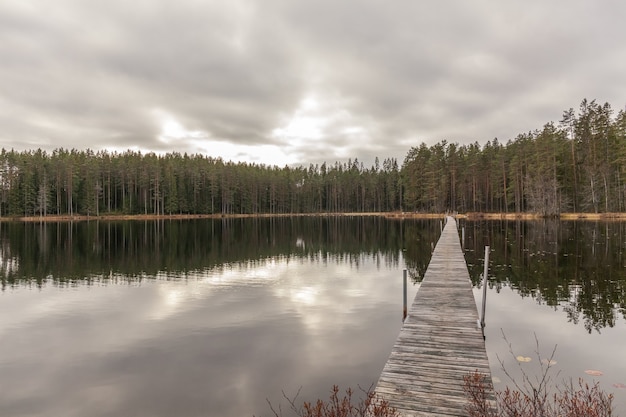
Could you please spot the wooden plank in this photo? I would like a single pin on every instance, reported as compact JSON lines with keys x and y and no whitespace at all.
{"x":440,"y":340}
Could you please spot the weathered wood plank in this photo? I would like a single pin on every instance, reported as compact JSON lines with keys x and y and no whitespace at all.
{"x":440,"y":340}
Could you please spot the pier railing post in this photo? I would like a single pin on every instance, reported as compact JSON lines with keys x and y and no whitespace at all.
{"x":404,"y":308}
{"x":485,"y":271}
{"x":463,"y":238}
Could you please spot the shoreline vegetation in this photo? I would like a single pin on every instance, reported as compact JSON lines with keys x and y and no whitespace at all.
{"x":575,"y":166}
{"x":390,"y":215}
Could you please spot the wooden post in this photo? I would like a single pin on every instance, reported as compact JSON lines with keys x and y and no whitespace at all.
{"x":485,"y":271}
{"x":404,"y":309}
{"x":463,"y":237}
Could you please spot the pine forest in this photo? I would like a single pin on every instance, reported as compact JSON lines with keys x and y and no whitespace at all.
{"x":575,"y":165}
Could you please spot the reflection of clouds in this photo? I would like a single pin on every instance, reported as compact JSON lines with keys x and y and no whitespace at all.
{"x":35,"y":304}
{"x":161,"y":346}
{"x":172,"y":296}
{"x":201,"y":284}
{"x":331,"y":293}
{"x":306,"y":295}
{"x":326,"y":290}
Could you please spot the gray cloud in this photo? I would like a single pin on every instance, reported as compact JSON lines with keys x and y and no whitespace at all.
{"x":234,"y":76}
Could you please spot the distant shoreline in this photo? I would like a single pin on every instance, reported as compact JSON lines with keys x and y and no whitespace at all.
{"x":389,"y":215}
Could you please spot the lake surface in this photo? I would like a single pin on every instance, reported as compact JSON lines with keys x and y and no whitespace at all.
{"x":554,"y":284}
{"x":215,"y":317}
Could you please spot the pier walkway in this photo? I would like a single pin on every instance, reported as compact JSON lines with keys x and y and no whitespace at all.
{"x":440,"y":340}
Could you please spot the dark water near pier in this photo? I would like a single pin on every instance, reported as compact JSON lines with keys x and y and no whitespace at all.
{"x":213,"y":317}
{"x":554,"y":285}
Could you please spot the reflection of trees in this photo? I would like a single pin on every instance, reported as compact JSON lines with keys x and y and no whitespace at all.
{"x":420,"y":238}
{"x":85,"y":251}
{"x":575,"y":266}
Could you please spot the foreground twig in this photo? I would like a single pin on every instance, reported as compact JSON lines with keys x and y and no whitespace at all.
{"x":536,"y":397}
{"x":371,"y":405}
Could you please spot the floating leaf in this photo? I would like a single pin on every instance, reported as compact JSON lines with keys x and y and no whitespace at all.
{"x":523,"y":359}
{"x":593,"y":372}
{"x":619,"y":385}
{"x":549,"y":362}
{"x":495,"y":380}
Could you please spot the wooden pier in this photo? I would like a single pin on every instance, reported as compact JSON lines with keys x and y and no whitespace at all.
{"x":440,"y":340}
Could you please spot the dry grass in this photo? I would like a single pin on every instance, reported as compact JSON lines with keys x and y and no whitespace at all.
{"x":593,"y":216}
{"x":582,"y":400}
{"x":536,"y":397}
{"x":500,"y":216}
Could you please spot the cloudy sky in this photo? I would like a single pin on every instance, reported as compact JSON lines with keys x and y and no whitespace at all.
{"x":299,"y":81}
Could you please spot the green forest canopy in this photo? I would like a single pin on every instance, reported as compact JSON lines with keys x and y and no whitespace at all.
{"x":578,"y":165}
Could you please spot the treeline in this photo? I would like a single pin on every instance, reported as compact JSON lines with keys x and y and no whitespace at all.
{"x":578,"y":165}
{"x":37,"y":183}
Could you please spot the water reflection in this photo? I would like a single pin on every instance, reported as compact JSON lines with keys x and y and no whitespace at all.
{"x":64,"y":252}
{"x":191,"y":347}
{"x":561,"y":283}
{"x":194,"y":318}
{"x":212,"y":317}
{"x":577,"y":267}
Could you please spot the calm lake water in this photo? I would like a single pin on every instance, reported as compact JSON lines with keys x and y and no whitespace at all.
{"x":215,"y":317}
{"x":554,"y":284}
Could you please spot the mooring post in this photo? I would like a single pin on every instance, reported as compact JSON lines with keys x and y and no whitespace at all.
{"x":404,"y":310}
{"x":463,"y":237}
{"x":485,"y":270}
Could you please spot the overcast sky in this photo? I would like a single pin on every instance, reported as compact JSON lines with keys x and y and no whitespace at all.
{"x":299,"y":81}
